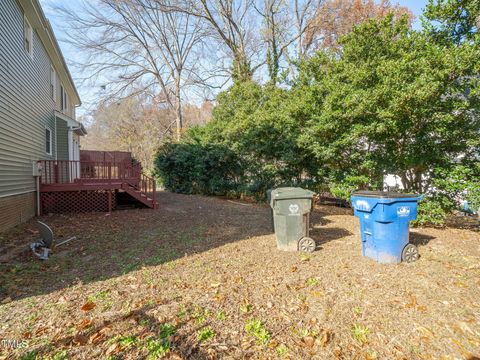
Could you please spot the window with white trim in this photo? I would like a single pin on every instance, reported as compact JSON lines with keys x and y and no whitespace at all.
{"x":53,"y":83}
{"x":48,"y":141}
{"x":28,"y":37}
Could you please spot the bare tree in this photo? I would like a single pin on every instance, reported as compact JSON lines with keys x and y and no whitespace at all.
{"x":284,"y":26}
{"x":139,"y":47}
{"x":233,"y":25}
{"x":335,"y":18}
{"x":279,"y":34}
{"x":137,"y":124}
{"x":274,"y":31}
{"x":306,"y":12}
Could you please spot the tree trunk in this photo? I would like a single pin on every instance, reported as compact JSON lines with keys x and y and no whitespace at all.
{"x":178,"y":109}
{"x":412,"y":180}
{"x":241,"y":68}
{"x":405,"y":182}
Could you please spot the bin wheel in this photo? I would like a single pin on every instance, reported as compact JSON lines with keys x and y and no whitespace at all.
{"x":410,"y":253}
{"x":307,"y":244}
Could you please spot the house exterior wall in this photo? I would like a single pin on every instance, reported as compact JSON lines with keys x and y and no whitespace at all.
{"x":70,"y":109}
{"x":27,"y":107}
{"x":16,"y":209}
{"x":62,"y":139}
{"x":76,"y":148}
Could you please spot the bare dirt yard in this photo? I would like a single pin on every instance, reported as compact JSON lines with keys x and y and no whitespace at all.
{"x":202,"y":278}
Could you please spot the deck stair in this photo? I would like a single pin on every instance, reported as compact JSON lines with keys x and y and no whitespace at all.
{"x":141,"y":193}
{"x":84,"y":185}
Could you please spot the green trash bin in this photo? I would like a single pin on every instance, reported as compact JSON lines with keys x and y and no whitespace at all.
{"x":291,"y":209}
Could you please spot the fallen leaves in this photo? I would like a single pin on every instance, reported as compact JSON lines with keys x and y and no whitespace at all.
{"x":6,"y":300}
{"x":325,"y":337}
{"x":412,"y":303}
{"x":84,"y":324}
{"x":88,"y":306}
{"x":115,"y":348}
{"x":41,"y":330}
{"x":425,"y":333}
{"x":99,"y":335}
{"x":80,"y":340}
{"x":308,"y":341}
{"x":275,"y":286}
{"x":460,"y":284}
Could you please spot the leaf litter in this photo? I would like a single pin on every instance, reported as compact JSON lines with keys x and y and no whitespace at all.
{"x":184,"y":281}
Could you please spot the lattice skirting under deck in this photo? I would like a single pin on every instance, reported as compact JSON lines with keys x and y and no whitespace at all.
{"x":77,"y":201}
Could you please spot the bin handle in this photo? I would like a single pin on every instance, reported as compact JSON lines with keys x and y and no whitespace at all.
{"x":299,"y":198}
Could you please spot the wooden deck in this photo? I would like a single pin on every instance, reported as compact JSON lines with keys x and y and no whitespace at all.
{"x":76,"y":186}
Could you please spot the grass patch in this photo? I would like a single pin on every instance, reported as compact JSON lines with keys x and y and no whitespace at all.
{"x":311,"y":282}
{"x":360,"y":333}
{"x":192,"y":237}
{"x":127,"y":342}
{"x":157,"y":348}
{"x":282,"y":350}
{"x":32,"y":355}
{"x":246,"y":308}
{"x":100,"y":296}
{"x":256,"y":328}
{"x":61,"y":355}
{"x":221,"y":315}
{"x":166,"y":330}
{"x":200,"y":314}
{"x":358,"y":310}
{"x":144,"y":322}
{"x":205,"y":334}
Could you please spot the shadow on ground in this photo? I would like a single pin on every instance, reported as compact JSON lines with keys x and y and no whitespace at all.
{"x":322,"y":234}
{"x":420,"y":239}
{"x":157,"y":337}
{"x":112,"y":245}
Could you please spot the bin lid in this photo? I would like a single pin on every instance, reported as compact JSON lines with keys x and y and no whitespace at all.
{"x":291,"y":193}
{"x":384,"y":194}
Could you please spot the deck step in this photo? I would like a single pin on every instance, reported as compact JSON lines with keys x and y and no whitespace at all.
{"x":140,"y":196}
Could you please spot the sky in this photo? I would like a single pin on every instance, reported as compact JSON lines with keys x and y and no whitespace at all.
{"x":88,"y":95}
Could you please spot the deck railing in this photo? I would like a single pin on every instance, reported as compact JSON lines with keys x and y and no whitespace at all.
{"x":147,"y":185}
{"x":70,"y":171}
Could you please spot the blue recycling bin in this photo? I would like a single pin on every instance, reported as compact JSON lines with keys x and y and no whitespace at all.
{"x":384,"y":225}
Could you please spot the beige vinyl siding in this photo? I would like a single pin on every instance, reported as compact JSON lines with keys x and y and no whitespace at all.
{"x":26,"y":107}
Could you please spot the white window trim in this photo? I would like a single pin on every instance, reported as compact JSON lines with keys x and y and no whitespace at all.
{"x":64,"y":101}
{"x":53,"y":82}
{"x":51,"y":145}
{"x":29,"y":34}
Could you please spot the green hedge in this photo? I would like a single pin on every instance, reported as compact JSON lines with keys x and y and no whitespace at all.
{"x":380,"y":106}
{"x":198,"y":169}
